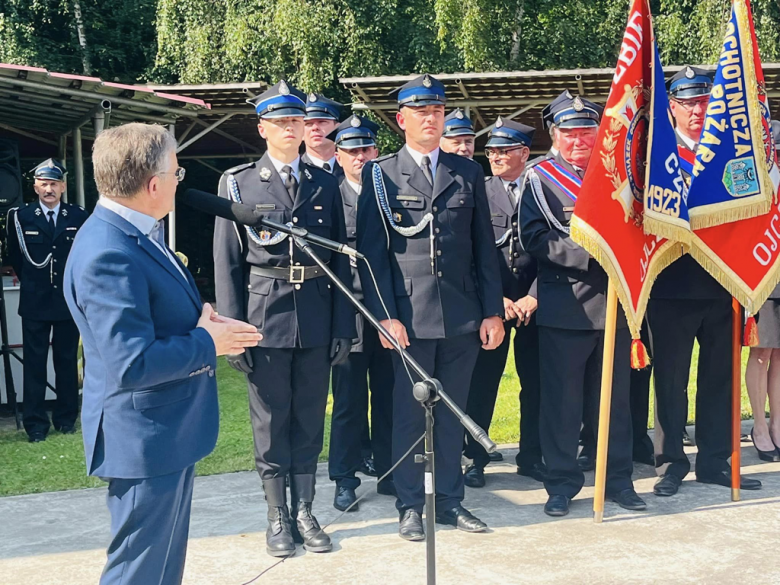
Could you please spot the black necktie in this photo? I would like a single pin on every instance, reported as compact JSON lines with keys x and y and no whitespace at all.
{"x":290,"y":183}
{"x":326,"y":167}
{"x":50,"y":214}
{"x":426,"y":169}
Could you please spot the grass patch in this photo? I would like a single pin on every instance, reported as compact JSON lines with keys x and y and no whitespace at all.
{"x":58,"y":463}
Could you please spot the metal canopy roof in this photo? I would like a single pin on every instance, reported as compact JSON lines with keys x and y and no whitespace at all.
{"x":520,"y":95}
{"x":49,"y":104}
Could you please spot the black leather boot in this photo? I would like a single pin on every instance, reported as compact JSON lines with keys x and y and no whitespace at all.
{"x":278,"y":537}
{"x":307,"y":530}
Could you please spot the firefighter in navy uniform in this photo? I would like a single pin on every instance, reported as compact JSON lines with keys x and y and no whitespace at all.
{"x":572,"y":291}
{"x":307,"y":326}
{"x":40,"y":236}
{"x":547,"y":122}
{"x":459,"y":135}
{"x":322,"y":118}
{"x":507,"y":149}
{"x":355,"y":141}
{"x":687,"y":304}
{"x":424,"y":225}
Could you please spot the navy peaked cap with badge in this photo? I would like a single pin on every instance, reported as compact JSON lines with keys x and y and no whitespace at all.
{"x":547,"y":117}
{"x":576,"y":112}
{"x":51,"y":170}
{"x":421,"y":91}
{"x":280,"y":101}
{"x":318,"y":107}
{"x":691,"y":82}
{"x":776,"y":131}
{"x":457,"y":124}
{"x":355,"y":132}
{"x":510,"y":133}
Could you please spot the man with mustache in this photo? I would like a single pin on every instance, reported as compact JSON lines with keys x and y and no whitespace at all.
{"x":322,"y":117}
{"x":40,"y":236}
{"x":572,"y":291}
{"x":355,"y":141}
{"x":687,"y":304}
{"x":458,"y":136}
{"x":308,"y":326}
{"x":424,"y":226}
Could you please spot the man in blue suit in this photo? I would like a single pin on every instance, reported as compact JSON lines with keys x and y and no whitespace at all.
{"x":149,"y":409}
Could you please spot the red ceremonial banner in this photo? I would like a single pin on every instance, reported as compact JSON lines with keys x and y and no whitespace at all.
{"x":608,"y":214}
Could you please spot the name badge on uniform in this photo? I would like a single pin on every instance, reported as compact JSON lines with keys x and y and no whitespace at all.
{"x":71,"y":229}
{"x":318,"y":208}
{"x":265,"y":206}
{"x":495,"y":215}
{"x":407,"y":198}
{"x":31,"y":233}
{"x":568,"y":209}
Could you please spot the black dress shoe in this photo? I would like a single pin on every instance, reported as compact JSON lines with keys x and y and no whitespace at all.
{"x":474,"y":477}
{"x":36,"y":438}
{"x":308,"y":531}
{"x":410,"y":526}
{"x":687,"y":441}
{"x":629,"y":500}
{"x":278,"y":537}
{"x":386,"y":487}
{"x":772,"y":455}
{"x":461,"y":518}
{"x":667,"y":485}
{"x":367,"y":467}
{"x":495,"y":456}
{"x":586,"y":462}
{"x":536,"y":471}
{"x":344,"y":498}
{"x":724,"y":478}
{"x":644,"y":458}
{"x":557,"y":506}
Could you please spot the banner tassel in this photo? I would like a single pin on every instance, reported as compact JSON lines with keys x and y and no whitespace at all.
{"x":639,"y":357}
{"x":750,"y":335}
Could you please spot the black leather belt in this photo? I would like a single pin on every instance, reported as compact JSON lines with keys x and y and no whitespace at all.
{"x":293,"y":274}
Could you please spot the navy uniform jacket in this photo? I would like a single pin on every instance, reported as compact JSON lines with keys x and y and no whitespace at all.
{"x":337,"y":171}
{"x":464,"y":285}
{"x":518,"y":267}
{"x":349,"y":197}
{"x":685,"y":278}
{"x":309,"y":314}
{"x":572,"y":286}
{"x":41,"y":297}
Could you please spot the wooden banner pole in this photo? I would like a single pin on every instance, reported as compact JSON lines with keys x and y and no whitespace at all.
{"x":736,"y":397}
{"x":605,"y":404}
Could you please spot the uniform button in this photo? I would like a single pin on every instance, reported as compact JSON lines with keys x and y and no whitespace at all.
{"x":557,"y":277}
{"x":437,"y":230}
{"x":54,"y":247}
{"x":514,"y":224}
{"x":249,"y":286}
{"x":297,"y":263}
{"x":55,"y":286}
{"x":295,"y":220}
{"x":211,"y":373}
{"x":516,"y":239}
{"x":53,"y":259}
{"x":319,"y":221}
{"x":439,"y":274}
{"x":297,"y":287}
{"x":435,"y":208}
{"x":438,"y":252}
{"x":514,"y":269}
{"x":516,"y":254}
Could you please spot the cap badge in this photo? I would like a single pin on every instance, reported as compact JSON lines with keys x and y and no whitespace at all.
{"x":283,"y":89}
{"x":355,"y":122}
{"x":689,"y":73}
{"x":50,"y":164}
{"x":499,"y":122}
{"x":459,"y":114}
{"x":578,"y":105}
{"x":265,"y":173}
{"x":312,"y":97}
{"x":427,"y":81}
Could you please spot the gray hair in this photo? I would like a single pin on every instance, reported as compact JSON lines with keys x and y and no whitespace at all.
{"x":126,"y":157}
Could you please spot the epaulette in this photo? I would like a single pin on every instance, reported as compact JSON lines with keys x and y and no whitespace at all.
{"x":236,"y":169}
{"x":535,"y":161}
{"x":385,"y":157}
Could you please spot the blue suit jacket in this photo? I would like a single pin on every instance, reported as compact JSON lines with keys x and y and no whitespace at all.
{"x":150,"y":391}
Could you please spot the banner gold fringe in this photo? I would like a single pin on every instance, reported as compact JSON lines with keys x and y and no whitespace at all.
{"x":587,"y":237}
{"x":728,"y":279}
{"x":660,"y":226}
{"x":706,"y":216}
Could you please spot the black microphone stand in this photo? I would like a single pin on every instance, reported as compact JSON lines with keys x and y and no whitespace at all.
{"x":427,"y":391}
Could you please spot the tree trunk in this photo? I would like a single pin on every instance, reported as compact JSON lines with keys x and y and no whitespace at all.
{"x":79,"y":19}
{"x":514,"y":52}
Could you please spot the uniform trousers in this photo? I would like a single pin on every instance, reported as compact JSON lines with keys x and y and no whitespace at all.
{"x":451,"y":361}
{"x":64,"y":345}
{"x":485,"y":382}
{"x":288,"y":392}
{"x":150,"y":523}
{"x":674,"y":325}
{"x":350,"y":408}
{"x":571,"y":377}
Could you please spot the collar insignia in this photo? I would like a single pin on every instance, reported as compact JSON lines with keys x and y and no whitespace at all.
{"x":306,"y":172}
{"x":64,"y":212}
{"x":37,"y":211}
{"x":265,"y":173}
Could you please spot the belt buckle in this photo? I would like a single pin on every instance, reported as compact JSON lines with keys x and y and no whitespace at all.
{"x":297,"y":274}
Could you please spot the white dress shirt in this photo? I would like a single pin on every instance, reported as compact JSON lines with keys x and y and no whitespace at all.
{"x":688,"y":142}
{"x":418,"y":156}
{"x":142,"y":222}
{"x":46,"y":211}
{"x":318,"y":162}
{"x":355,"y":186}
{"x":294,"y":165}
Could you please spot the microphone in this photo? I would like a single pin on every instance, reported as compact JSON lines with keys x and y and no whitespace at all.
{"x":246,"y":215}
